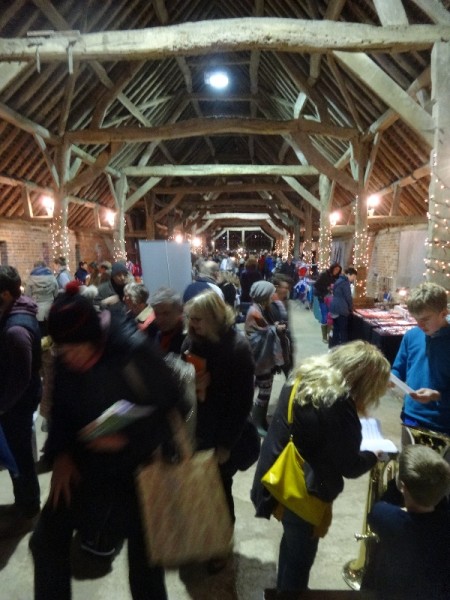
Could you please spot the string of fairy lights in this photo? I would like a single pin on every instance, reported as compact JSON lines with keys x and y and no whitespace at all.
{"x":438,"y":243}
{"x":285,"y":245}
{"x":59,"y":238}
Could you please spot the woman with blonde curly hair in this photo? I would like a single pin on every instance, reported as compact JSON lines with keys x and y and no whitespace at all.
{"x":330,"y":393}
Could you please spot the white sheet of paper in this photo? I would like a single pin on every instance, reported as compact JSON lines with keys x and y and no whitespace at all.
{"x":373,"y":439}
{"x":400,"y":384}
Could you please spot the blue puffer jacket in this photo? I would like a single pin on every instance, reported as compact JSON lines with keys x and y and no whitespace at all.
{"x":342,"y":303}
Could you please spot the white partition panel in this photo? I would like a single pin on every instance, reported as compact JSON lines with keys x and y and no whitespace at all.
{"x":165,"y":264}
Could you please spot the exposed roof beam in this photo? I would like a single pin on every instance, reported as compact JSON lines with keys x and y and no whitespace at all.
{"x":410,"y":179}
{"x":9,"y":71}
{"x":170,"y":206}
{"x":202,"y":37}
{"x":435,"y":10}
{"x":391,"y":93}
{"x":295,"y":210}
{"x":391,"y":13}
{"x":378,"y":222}
{"x":232,"y":188}
{"x":332,"y":13}
{"x":11,"y":116}
{"x":140,"y":192}
{"x":220,"y":170}
{"x":303,"y":192}
{"x":208,"y":126}
{"x":315,"y":157}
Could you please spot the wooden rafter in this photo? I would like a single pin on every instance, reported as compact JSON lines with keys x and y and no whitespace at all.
{"x":278,"y":35}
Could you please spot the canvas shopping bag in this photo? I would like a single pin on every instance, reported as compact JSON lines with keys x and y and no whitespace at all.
{"x":183,"y":506}
{"x":184,"y":511}
{"x":285,"y":480}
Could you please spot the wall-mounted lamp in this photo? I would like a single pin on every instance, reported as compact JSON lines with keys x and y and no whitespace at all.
{"x":196,"y":242}
{"x":372,"y":202}
{"x":110,"y":217}
{"x":178,"y":238}
{"x":49,"y":204}
{"x":334,"y":218}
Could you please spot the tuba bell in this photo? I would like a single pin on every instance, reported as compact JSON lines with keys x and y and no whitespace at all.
{"x":353,"y":571}
{"x":381,"y":473}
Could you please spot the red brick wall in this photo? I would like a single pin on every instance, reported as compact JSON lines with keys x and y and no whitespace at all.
{"x":25,"y":242}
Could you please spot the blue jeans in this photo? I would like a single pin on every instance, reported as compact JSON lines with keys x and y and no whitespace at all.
{"x":323,"y":313}
{"x":298,"y":550}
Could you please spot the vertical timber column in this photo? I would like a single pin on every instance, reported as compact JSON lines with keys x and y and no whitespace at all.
{"x":325,"y":191}
{"x":438,"y":243}
{"x":296,"y":247}
{"x":59,"y":229}
{"x":307,"y":244}
{"x":119,"y":253}
{"x":149,"y":216}
{"x":361,"y":246}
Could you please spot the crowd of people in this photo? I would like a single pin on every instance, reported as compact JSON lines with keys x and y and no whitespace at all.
{"x":75,"y":345}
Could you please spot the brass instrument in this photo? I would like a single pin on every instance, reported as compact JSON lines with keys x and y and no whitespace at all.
{"x":380,"y":475}
{"x":440,"y":442}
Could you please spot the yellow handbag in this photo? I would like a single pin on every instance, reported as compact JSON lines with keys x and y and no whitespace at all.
{"x":285,"y":480}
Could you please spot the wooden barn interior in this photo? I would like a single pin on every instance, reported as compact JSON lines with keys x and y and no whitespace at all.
{"x":112,"y":133}
{"x":331,"y":140}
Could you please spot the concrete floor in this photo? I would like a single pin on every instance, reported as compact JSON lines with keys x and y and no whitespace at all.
{"x":253,"y":566}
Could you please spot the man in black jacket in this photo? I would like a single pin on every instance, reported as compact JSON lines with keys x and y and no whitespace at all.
{"x":20,"y":392}
{"x":98,"y":364}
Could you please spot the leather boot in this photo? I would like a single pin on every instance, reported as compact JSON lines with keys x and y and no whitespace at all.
{"x":259,"y":414}
{"x":324,"y":333}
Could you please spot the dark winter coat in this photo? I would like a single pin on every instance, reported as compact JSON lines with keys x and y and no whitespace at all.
{"x":20,"y":355}
{"x":222,"y":415}
{"x":248,"y":278}
{"x":324,"y":282}
{"x":79,"y":398}
{"x":328,"y":438}
{"x":342,"y":301}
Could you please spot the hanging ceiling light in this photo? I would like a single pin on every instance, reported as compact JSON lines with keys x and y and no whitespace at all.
{"x":217,"y":79}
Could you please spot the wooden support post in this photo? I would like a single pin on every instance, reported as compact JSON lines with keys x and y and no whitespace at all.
{"x":438,"y":244}
{"x":326,"y":192}
{"x":119,"y":253}
{"x":149,"y":218}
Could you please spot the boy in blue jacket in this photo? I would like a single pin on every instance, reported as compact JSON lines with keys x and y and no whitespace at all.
{"x":423,"y":360}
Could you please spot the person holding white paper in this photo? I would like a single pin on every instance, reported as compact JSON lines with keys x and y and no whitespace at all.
{"x":332,"y":391}
{"x":423,"y":360}
{"x":100,"y":360}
